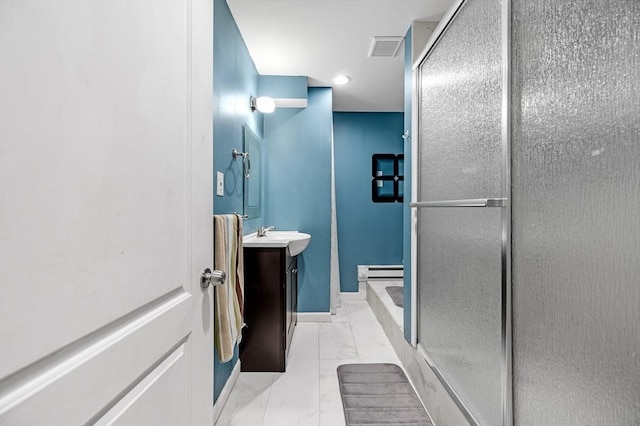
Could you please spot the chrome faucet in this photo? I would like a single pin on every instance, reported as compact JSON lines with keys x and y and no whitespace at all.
{"x":262,"y":231}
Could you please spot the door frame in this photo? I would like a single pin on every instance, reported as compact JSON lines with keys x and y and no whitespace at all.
{"x":200,"y":157}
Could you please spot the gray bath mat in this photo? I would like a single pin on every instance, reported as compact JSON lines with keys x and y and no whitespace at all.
{"x":397,"y":294}
{"x":379,"y":394}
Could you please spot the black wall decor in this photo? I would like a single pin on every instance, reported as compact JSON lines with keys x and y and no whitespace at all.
{"x":387,"y":175}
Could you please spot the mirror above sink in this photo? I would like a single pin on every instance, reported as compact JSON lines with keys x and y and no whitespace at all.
{"x":295,"y":242}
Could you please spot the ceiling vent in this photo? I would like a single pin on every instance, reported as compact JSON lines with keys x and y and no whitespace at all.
{"x":385,"y":47}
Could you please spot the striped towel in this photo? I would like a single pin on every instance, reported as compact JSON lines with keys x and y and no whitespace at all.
{"x":229,"y":298}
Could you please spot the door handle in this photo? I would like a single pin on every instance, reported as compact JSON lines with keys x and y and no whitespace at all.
{"x":209,"y":277}
{"x":476,"y":202}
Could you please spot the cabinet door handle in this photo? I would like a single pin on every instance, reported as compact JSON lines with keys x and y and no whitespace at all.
{"x":295,"y":271}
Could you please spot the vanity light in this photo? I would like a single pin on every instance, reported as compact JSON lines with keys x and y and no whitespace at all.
{"x":341,"y":80}
{"x":263,"y":104}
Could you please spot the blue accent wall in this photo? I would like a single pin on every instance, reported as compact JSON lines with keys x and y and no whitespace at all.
{"x":297,"y":152}
{"x":278,"y":86}
{"x":368,"y":233}
{"x":235,"y":79}
{"x":406,"y":213}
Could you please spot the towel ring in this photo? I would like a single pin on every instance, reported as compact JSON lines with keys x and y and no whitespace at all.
{"x":246,"y":162}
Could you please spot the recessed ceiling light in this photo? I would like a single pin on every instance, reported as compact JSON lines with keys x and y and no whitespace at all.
{"x":341,"y":80}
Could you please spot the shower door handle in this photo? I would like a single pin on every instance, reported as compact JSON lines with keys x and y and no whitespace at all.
{"x":474,"y":202}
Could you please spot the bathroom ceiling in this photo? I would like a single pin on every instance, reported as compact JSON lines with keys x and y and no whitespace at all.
{"x":323,"y":38}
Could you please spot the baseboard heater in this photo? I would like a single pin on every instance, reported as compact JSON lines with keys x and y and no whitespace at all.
{"x":380,"y":272}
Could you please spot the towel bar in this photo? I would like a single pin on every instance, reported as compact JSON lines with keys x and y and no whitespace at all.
{"x":243,"y":216}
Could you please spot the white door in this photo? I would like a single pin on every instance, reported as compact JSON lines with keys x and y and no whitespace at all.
{"x":105,"y":212}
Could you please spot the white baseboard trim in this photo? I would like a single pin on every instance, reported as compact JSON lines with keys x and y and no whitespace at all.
{"x":314,"y":316}
{"x":361,"y":294}
{"x":226,"y":391}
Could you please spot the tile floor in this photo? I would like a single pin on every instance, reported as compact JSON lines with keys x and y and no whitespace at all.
{"x":307,"y":393}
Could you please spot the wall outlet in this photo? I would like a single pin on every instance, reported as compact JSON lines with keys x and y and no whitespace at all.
{"x":219,"y":184}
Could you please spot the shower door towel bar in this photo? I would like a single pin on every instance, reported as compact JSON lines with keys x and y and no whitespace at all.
{"x":476,"y":202}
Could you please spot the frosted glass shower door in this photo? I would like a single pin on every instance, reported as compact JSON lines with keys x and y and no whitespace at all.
{"x":459,"y":210}
{"x":576,"y":204}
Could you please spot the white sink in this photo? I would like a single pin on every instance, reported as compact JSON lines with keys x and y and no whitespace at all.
{"x":295,"y":241}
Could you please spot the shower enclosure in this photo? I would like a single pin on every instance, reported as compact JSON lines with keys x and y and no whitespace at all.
{"x":528,"y":201}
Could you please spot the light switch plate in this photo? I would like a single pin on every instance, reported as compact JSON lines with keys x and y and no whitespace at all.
{"x":220,"y":184}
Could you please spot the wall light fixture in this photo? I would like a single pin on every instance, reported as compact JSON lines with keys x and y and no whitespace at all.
{"x":263,"y":104}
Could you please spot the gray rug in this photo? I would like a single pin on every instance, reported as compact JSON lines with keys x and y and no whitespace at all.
{"x":397,"y":294}
{"x":379,"y":394}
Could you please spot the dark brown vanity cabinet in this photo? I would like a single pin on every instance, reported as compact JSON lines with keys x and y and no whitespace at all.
{"x":270,"y":309}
